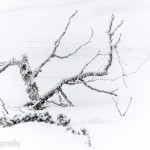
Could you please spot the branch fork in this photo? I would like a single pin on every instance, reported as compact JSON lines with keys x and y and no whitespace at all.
{"x":29,"y":75}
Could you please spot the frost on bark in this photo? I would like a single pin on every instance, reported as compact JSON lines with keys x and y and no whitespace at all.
{"x":28,"y":78}
{"x":83,"y":77}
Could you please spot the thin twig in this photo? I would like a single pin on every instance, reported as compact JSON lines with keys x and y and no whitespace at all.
{"x":100,"y":91}
{"x":119,"y":60}
{"x":3,"y":105}
{"x":65,"y":97}
{"x":74,"y":52}
{"x":18,"y":109}
{"x":127,"y":106}
{"x":116,"y":102}
{"x":79,"y":78}
{"x":56,"y":45}
{"x":57,"y":42}
{"x":59,"y":104}
{"x":126,"y":110}
{"x":119,"y":25}
{"x":86,"y":65}
{"x":111,"y":23}
{"x":59,"y":96}
{"x":121,"y":76}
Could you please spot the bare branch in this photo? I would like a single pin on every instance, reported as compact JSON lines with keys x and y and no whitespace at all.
{"x":56,"y":45}
{"x":119,"y":25}
{"x":119,"y":60}
{"x":100,"y":91}
{"x":5,"y":65}
{"x":146,"y":59}
{"x":91,"y":62}
{"x":119,"y":39}
{"x":65,"y":97}
{"x":110,"y":34}
{"x":71,"y":81}
{"x":58,"y":104}
{"x":126,"y":110}
{"x":81,"y":76}
{"x":111,"y":23}
{"x":116,"y":102}
{"x":18,"y":109}
{"x":86,"y":65}
{"x":127,"y":107}
{"x":59,"y":96}
{"x":121,"y":76}
{"x":70,"y":54}
{"x":3,"y":105}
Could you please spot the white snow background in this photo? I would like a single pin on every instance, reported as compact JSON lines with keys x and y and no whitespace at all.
{"x":32,"y":26}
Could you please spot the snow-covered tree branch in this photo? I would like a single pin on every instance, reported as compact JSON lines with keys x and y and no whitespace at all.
{"x":29,"y":75}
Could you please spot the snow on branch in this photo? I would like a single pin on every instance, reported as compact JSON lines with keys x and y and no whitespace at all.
{"x":70,"y":81}
{"x":56,"y":45}
{"x":113,"y":47}
{"x":5,"y":65}
{"x":45,"y":117}
{"x":82,"y":75}
{"x":100,"y":91}
{"x":123,"y":75}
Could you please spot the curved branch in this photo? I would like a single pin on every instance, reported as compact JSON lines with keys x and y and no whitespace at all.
{"x":100,"y":91}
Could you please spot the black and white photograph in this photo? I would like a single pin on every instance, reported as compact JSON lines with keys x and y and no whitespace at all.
{"x":74,"y":74}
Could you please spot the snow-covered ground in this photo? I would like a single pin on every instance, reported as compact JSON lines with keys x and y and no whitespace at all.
{"x":32,"y":26}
